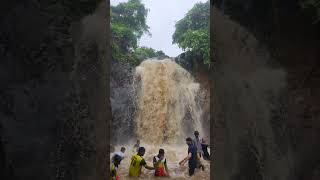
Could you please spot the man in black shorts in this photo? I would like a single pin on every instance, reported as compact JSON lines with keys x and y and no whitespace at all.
{"x":191,"y":158}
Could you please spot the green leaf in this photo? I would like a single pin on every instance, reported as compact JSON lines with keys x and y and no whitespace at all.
{"x":192,"y":32}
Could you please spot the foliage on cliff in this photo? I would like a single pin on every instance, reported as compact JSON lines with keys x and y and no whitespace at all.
{"x":145,"y":52}
{"x":192,"y":32}
{"x":128,"y":24}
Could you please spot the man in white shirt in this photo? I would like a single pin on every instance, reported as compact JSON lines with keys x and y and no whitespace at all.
{"x":120,"y":153}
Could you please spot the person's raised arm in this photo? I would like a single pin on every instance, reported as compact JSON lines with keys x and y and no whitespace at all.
{"x":203,"y":142}
{"x":206,"y":144}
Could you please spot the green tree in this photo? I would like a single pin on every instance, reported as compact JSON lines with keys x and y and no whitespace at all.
{"x":161,"y":54}
{"x":192,"y":32}
{"x":123,"y":40}
{"x":132,"y":14}
{"x":128,"y":24}
{"x":142,"y":53}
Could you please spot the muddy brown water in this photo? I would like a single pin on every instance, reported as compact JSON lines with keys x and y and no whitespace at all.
{"x":173,"y":153}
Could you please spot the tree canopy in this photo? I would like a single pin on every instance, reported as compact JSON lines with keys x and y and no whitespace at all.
{"x":128,"y":24}
{"x":131,"y":14}
{"x":192,"y":32}
{"x":145,"y":52}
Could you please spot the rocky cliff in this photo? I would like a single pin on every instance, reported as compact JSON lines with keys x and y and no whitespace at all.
{"x":265,"y":91}
{"x":122,"y":99}
{"x":54,"y":91}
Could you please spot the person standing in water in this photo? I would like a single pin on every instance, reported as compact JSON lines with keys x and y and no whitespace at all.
{"x":191,"y":158}
{"x":206,"y":154}
{"x":197,"y":141}
{"x":137,"y":145}
{"x":137,"y":162}
{"x":160,"y":164}
{"x":120,"y":153}
{"x":114,"y":167}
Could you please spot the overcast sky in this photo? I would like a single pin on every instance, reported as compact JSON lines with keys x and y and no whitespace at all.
{"x":162,"y":16}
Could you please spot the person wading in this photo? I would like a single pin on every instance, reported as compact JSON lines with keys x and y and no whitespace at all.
{"x":197,"y":141}
{"x":160,"y":164}
{"x":137,"y":162}
{"x":120,"y":153}
{"x":206,"y":154}
{"x":114,"y":167}
{"x":191,"y":158}
{"x":136,"y":146}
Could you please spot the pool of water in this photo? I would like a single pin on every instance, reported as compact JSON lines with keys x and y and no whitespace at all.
{"x":173,"y":153}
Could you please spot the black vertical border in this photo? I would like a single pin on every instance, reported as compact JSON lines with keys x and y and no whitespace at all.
{"x":212,"y":67}
{"x":109,"y":115}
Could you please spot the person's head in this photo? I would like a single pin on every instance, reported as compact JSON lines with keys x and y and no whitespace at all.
{"x":116,"y":160}
{"x":161,"y":152}
{"x":189,"y":140}
{"x":123,"y":149}
{"x":196,"y":133}
{"x":138,"y":141}
{"x":141,"y":151}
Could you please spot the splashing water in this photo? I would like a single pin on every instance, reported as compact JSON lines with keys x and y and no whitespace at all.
{"x":173,"y":153}
{"x":167,"y":111}
{"x":167,"y":108}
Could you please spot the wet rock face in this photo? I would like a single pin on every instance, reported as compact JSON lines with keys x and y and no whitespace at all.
{"x":244,"y":85}
{"x":122,"y":98}
{"x":248,"y":12}
{"x":186,"y":62}
{"x":265,"y":18}
{"x":48,"y":119}
{"x":265,"y":94}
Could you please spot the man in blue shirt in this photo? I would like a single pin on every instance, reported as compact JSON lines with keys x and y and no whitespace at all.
{"x":191,"y":158}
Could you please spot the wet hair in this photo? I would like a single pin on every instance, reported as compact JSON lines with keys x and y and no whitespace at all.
{"x":189,"y":139}
{"x":123,"y":148}
{"x":196,"y":133}
{"x":161,"y":151}
{"x":141,"y":150}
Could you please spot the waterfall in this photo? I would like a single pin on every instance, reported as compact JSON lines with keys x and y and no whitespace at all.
{"x":167,"y":109}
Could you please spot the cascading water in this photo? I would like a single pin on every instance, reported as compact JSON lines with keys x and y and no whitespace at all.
{"x":166,"y":98}
{"x":167,"y":111}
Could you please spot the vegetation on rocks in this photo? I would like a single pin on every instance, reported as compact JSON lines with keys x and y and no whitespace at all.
{"x":192,"y":32}
{"x":128,"y":24}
